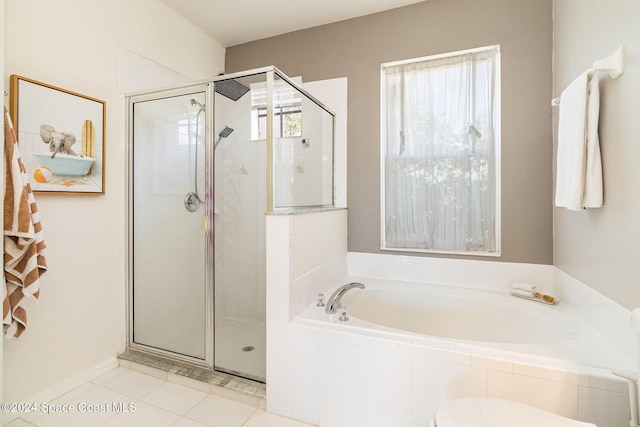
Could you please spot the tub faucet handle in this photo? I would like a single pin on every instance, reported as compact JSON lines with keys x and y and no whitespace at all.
{"x":320,"y":300}
{"x":343,"y":315}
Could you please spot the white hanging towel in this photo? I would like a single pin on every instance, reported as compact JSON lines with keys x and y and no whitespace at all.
{"x":592,"y":197}
{"x":578,"y":164}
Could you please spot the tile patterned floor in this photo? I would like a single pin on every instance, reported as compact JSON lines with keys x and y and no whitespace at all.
{"x":125,"y":397}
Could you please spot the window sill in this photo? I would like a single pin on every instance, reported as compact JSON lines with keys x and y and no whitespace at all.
{"x":497,"y":254}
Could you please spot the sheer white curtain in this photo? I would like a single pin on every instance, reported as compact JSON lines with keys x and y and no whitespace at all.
{"x":439,"y":144}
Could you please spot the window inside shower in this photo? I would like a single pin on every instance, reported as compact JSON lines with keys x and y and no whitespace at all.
{"x":287,"y":115}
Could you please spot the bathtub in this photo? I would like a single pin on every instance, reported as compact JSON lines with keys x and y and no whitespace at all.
{"x":479,"y":322}
{"x":65,"y":164}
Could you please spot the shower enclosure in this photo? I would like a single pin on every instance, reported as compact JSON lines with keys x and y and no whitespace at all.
{"x":206,"y":163}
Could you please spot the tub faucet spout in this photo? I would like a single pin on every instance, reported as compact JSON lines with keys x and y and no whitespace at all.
{"x":333,"y":304}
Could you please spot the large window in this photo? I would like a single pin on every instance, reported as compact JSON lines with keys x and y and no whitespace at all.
{"x":440,"y":153}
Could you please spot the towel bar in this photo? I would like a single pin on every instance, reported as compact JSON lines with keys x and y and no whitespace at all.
{"x":612,"y":65}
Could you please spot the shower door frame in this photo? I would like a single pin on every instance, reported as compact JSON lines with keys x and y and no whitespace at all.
{"x":209,"y":271}
{"x":207,"y":86}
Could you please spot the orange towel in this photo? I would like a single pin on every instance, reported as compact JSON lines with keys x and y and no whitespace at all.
{"x":24,"y":261}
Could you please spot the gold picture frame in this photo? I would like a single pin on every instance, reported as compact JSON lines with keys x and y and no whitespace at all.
{"x":61,"y":137}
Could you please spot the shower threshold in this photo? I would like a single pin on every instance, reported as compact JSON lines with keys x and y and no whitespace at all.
{"x":220,"y":379}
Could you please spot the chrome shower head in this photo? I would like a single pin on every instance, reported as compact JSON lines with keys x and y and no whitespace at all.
{"x":223,"y":134}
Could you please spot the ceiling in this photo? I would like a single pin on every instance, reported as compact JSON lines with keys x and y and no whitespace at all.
{"x":233,"y":22}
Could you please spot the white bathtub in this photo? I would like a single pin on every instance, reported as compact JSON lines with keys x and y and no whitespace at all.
{"x":488,"y":323}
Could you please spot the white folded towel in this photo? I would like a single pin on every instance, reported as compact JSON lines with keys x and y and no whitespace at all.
{"x":521,"y":293}
{"x":523,"y":286}
{"x":570,"y":159}
{"x":592,"y":197}
{"x":578,"y":164}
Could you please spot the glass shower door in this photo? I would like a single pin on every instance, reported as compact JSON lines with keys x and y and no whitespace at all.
{"x":169,"y":245}
{"x":239,"y":228}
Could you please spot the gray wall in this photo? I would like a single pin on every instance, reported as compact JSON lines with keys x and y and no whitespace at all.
{"x":355,"y":49}
{"x":600,"y":246}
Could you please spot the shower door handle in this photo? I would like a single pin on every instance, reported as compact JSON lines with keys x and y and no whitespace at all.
{"x":205,"y":225}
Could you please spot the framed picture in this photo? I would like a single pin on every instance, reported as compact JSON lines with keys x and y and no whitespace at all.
{"x":60,"y":137}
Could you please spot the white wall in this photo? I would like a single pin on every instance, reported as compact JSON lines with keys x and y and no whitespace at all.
{"x":78,"y":321}
{"x":599,"y":246}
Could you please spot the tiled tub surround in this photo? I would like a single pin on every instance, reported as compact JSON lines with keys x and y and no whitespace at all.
{"x":351,"y":376}
{"x":400,"y":378}
{"x":351,"y":379}
{"x":474,"y":321}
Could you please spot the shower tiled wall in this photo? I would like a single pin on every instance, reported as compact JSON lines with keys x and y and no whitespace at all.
{"x":240,"y":203}
{"x":241,"y":197}
{"x":336,"y":379}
